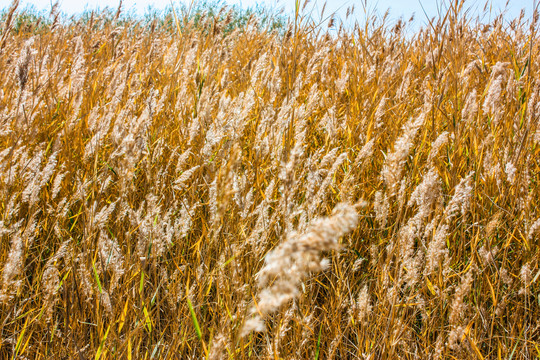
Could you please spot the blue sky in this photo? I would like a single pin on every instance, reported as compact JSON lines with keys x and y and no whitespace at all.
{"x":398,"y":8}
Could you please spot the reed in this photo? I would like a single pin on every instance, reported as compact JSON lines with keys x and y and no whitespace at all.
{"x":204,"y":184}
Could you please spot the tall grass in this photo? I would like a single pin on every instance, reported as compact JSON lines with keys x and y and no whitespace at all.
{"x":181,"y":189}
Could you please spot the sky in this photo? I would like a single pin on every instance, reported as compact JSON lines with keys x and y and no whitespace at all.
{"x":398,"y":8}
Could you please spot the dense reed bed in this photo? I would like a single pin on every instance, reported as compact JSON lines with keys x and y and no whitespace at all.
{"x":182,"y":189}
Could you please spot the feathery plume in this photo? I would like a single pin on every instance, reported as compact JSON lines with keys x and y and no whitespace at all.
{"x":292,"y":260}
{"x":393,"y":165}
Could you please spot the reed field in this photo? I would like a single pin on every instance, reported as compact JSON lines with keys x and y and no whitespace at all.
{"x":215,"y":184}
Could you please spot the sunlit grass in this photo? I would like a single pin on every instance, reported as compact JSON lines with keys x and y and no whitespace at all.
{"x":183,"y":188}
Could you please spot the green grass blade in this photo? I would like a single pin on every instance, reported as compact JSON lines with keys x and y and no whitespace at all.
{"x":194,"y":318}
{"x":318,"y":345}
{"x":97,"y":278}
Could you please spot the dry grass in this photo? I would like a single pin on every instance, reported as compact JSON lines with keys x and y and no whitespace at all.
{"x":180,"y":192}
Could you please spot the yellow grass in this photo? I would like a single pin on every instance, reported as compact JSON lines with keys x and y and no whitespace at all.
{"x":173,"y":189}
